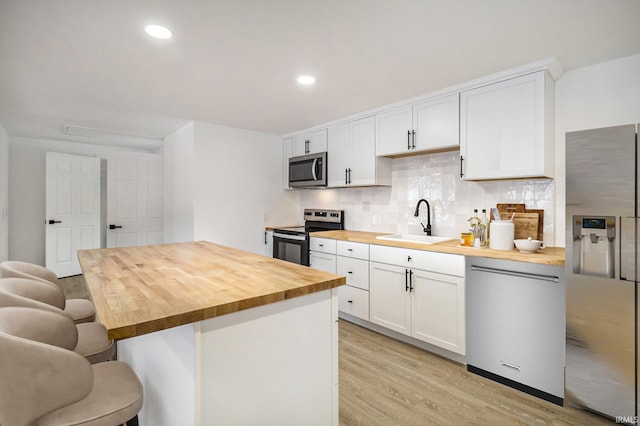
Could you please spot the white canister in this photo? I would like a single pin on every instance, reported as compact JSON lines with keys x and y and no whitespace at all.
{"x":502,"y":232}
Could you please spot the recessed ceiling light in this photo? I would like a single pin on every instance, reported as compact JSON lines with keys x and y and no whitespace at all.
{"x":158,"y":31}
{"x":306,"y":79}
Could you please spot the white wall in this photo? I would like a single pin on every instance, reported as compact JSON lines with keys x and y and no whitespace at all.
{"x":4,"y":194}
{"x":179,"y":185}
{"x":600,"y":95}
{"x":238,"y":186}
{"x":27,"y":191}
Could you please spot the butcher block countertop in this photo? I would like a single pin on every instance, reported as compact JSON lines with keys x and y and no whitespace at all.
{"x":139,"y":290}
{"x":548,"y":256}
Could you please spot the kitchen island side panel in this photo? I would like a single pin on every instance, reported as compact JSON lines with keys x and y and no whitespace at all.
{"x":274,"y":364}
{"x":164,"y":361}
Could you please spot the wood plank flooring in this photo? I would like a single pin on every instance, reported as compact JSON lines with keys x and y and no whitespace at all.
{"x":386,"y":382}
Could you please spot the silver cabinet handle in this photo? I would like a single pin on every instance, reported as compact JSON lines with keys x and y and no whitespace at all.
{"x":509,"y":365}
{"x":550,"y":278}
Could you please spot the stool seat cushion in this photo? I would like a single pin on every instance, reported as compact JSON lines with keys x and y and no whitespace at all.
{"x":94,"y":343}
{"x":116,"y":391}
{"x":81,"y":310}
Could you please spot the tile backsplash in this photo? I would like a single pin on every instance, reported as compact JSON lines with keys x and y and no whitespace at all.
{"x":435,"y":177}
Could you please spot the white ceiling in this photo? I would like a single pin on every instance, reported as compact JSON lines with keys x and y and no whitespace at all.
{"x":235,"y":62}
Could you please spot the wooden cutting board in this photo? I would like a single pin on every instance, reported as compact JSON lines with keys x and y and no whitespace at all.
{"x":525,"y":225}
{"x":540,"y":221}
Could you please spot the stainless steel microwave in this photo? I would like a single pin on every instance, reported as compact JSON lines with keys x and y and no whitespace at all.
{"x":308,"y":170}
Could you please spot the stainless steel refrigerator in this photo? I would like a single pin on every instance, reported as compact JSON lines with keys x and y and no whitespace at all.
{"x":602,"y":271}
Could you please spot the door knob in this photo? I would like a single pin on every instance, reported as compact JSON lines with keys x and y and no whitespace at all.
{"x":51,"y":221}
{"x":114,"y":226}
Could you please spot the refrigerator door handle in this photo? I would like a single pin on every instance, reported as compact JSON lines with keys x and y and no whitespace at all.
{"x":627,"y":248}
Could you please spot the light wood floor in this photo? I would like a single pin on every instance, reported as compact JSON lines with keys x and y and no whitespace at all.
{"x":386,"y":382}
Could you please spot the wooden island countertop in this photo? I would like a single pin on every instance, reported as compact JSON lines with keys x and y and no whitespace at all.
{"x":139,"y":290}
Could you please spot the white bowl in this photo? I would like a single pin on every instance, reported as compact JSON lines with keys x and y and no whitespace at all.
{"x":529,"y":245}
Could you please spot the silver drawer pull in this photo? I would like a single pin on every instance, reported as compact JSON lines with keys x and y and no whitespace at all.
{"x":512,"y":366}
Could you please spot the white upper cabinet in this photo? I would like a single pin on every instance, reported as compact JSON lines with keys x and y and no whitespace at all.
{"x":309,"y":143}
{"x":351,"y":158}
{"x":430,"y":125}
{"x":506,"y":129}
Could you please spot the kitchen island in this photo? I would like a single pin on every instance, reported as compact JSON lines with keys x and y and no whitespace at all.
{"x":219,"y":335}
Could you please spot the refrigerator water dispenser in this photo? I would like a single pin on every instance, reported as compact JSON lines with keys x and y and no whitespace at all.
{"x":593,"y":245}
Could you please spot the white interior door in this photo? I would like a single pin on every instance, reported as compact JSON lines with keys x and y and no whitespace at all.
{"x":135,"y":200}
{"x":72,"y":210}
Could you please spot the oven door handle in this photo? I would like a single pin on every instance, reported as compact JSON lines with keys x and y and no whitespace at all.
{"x":289,"y":237}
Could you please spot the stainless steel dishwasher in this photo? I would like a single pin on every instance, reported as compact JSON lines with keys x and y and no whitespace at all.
{"x":516,"y":325}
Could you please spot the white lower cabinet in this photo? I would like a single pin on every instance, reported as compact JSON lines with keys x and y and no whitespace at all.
{"x":353,"y":263}
{"x":354,"y":301}
{"x":322,"y":254}
{"x":426,"y":305}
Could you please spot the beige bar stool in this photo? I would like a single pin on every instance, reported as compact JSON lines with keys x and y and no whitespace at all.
{"x":46,"y":383}
{"x":92,"y":338}
{"x":81,"y":310}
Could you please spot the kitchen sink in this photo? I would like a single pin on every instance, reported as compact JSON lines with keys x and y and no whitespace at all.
{"x":414,"y":238}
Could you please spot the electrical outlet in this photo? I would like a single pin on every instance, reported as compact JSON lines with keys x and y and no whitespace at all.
{"x":375,"y":219}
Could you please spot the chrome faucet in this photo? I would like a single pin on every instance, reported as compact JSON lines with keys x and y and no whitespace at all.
{"x":426,"y":229}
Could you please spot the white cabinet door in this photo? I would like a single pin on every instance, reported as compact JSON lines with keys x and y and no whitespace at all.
{"x":339,"y":155}
{"x":389,"y":297}
{"x":352,"y":157}
{"x":393,"y":131}
{"x":437,"y":123}
{"x":323,"y":261}
{"x":363,"y":167}
{"x":437,"y":310}
{"x":310,"y":143}
{"x":506,"y":129}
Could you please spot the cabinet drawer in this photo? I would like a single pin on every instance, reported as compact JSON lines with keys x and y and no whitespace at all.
{"x":324,"y":245}
{"x":356,"y":250}
{"x":443,"y":263}
{"x":323,"y":261}
{"x":356,"y":271}
{"x":354,"y":301}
